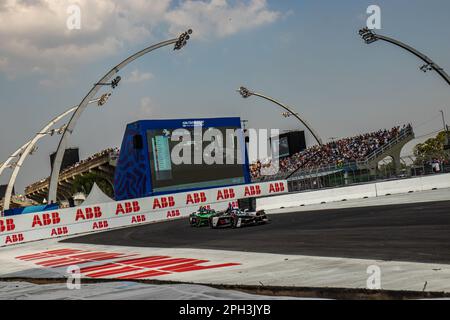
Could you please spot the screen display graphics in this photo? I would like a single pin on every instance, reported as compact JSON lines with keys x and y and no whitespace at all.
{"x":195,"y":157}
{"x":284,"y":147}
{"x":280,"y":147}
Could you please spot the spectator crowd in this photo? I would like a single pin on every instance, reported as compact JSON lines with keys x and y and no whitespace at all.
{"x":339,"y":152}
{"x":112,"y":152}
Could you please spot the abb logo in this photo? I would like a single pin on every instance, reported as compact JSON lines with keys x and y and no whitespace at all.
{"x":88,"y":213}
{"x":225,"y":194}
{"x":138,"y":219}
{"x":252,"y":191}
{"x":46,"y":219}
{"x":128,"y":207}
{"x":163,"y":202}
{"x":197,"y":197}
{"x":14,"y":238}
{"x":173,"y":213}
{"x":59,"y":231}
{"x":100,"y":225}
{"x":276,"y":187}
{"x":7,"y":225}
{"x":233,"y":204}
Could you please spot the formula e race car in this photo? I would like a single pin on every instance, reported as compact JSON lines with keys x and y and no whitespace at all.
{"x":236,"y":218}
{"x":201,"y":217}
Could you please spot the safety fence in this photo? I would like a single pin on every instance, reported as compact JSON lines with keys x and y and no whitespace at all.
{"x":358,"y":172}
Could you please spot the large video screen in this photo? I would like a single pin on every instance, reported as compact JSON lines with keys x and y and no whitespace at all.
{"x":284,"y":147}
{"x":280,"y":147}
{"x":186,"y":161}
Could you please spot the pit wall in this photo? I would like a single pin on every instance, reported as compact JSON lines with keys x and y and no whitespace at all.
{"x":440,"y":181}
{"x":105,"y":216}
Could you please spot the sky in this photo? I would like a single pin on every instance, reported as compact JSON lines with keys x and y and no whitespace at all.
{"x":305,"y":53}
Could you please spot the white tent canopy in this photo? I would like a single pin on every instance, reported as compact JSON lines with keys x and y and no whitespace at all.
{"x":96,"y":196}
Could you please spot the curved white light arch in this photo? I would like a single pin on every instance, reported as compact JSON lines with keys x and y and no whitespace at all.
{"x":53,"y":187}
{"x":27,"y":150}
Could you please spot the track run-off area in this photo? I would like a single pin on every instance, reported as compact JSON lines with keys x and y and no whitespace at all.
{"x":418,"y":232}
{"x":319,"y":246}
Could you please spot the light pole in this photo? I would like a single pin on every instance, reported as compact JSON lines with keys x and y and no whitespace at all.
{"x":369,"y":36}
{"x":179,"y":42}
{"x":30,"y":146}
{"x":443,"y":121}
{"x":447,"y":134}
{"x":246,"y":93}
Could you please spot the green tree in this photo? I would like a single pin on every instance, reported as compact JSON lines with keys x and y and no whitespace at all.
{"x":432,"y":148}
{"x":85,"y":183}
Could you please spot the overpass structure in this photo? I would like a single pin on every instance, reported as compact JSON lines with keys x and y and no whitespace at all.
{"x":102,"y":163}
{"x":392,"y":149}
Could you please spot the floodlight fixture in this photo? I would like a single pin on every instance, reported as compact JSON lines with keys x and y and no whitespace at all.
{"x":244,"y":92}
{"x":182,"y":40}
{"x":103,"y":99}
{"x":368,"y":35}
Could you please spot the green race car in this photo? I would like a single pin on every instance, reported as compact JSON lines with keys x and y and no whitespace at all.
{"x":201,"y":217}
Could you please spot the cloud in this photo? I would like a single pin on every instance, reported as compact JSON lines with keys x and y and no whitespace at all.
{"x":219,"y":18}
{"x":136,"y":76}
{"x":147,"y":107}
{"x":3,"y":62}
{"x":35,"y":36}
{"x":49,"y":83}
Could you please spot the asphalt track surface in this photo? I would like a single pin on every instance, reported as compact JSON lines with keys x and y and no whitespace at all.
{"x":417,"y":232}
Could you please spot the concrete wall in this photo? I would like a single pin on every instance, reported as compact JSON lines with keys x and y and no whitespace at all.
{"x":399,"y":186}
{"x":431,"y":182}
{"x":313,"y":197}
{"x":106,"y":216}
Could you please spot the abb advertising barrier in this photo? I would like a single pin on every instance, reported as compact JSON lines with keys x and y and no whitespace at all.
{"x":104,"y":216}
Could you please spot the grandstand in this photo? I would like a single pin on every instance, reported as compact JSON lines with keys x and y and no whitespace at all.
{"x":17,"y":200}
{"x":103,"y":163}
{"x":314,"y":167}
{"x":360,"y":154}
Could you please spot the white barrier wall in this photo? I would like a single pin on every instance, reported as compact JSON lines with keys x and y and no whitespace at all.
{"x":439,"y":181}
{"x":314,"y":197}
{"x":83,"y":219}
{"x":399,"y":186}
